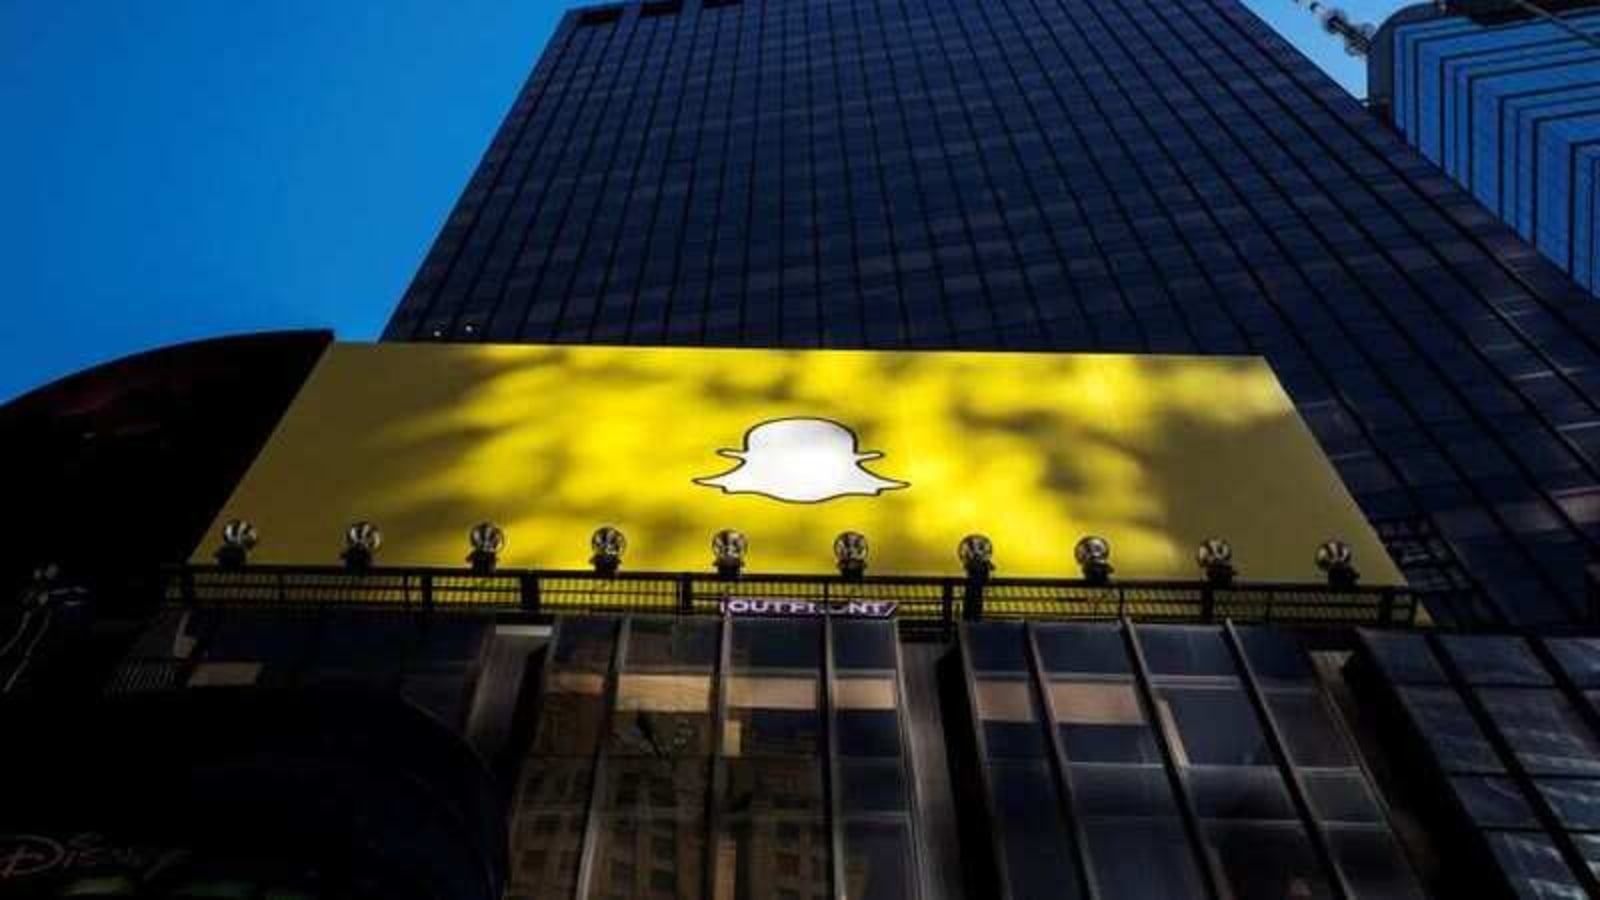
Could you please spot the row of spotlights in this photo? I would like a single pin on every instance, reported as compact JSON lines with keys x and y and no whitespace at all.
{"x":729,"y":548}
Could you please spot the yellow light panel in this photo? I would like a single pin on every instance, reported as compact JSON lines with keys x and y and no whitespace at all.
{"x":792,"y":447}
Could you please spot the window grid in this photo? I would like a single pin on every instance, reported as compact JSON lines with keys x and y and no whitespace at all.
{"x":667,"y":763}
{"x":1048,"y":174}
{"x":1463,"y":694}
{"x":1182,"y":734}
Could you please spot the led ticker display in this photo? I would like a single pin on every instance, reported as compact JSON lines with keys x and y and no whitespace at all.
{"x":913,"y":450}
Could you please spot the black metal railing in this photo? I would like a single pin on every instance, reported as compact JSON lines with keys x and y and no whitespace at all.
{"x":937,"y":601}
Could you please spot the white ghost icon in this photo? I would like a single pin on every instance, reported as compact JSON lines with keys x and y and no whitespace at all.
{"x":801,"y":461}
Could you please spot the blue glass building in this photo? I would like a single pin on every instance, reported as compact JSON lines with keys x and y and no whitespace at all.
{"x":1141,"y":176}
{"x":1511,"y":110}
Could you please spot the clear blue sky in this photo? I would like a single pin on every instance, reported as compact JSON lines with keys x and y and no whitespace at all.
{"x":176,"y":169}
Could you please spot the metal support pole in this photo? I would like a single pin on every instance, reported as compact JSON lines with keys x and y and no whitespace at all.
{"x":1210,"y":867}
{"x":593,"y":822}
{"x":972,"y":598}
{"x":685,"y":594}
{"x":1058,"y":766}
{"x":1280,"y":753}
{"x":528,"y":592}
{"x":833,"y":786}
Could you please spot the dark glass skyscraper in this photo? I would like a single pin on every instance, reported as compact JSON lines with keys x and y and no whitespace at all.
{"x":1145,"y":176}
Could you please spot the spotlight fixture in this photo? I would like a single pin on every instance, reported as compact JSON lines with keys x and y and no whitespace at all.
{"x":728,"y":550}
{"x":850,"y":552}
{"x":1215,"y":558}
{"x":487,"y":540}
{"x":361,"y":540}
{"x":1093,"y":554}
{"x":608,"y":544}
{"x":238,"y":539}
{"x":1337,"y":561}
{"x":976,"y":553}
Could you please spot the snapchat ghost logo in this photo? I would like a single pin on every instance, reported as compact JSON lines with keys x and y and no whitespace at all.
{"x":800,"y":461}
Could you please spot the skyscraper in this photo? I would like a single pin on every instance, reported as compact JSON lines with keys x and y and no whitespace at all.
{"x":1510,"y":109}
{"x":1146,"y":176}
{"x":1009,"y":625}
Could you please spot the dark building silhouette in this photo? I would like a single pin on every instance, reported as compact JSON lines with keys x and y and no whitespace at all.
{"x":121,"y":466}
{"x":1049,"y":175}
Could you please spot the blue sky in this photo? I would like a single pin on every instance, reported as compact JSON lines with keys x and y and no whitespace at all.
{"x":177,"y":169}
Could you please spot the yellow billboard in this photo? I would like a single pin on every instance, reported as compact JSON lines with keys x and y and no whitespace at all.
{"x":792,"y":447}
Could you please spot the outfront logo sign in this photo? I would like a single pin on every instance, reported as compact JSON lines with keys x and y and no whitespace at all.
{"x":770,"y":606}
{"x":801,"y":460}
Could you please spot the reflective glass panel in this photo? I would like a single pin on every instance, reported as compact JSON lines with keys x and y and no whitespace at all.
{"x":1102,"y":722}
{"x":1493,"y":802}
{"x":1238,"y":792}
{"x":1589,"y":846}
{"x":1485,"y":659}
{"x":1215,"y":726}
{"x":655,"y":858}
{"x":866,"y":717}
{"x":1576,"y":801}
{"x":1546,"y":733}
{"x":584,"y":643}
{"x":1579,"y":657}
{"x":571,"y":713}
{"x":655,"y":787}
{"x":1340,"y":797}
{"x":1145,"y":859}
{"x":772,"y":716}
{"x":1274,"y":657}
{"x":777,"y":644}
{"x":1114,"y":791}
{"x":1267,"y":862}
{"x":1035,"y":842}
{"x":1373,"y":864}
{"x":672,"y":643}
{"x":1309,"y":733}
{"x":1403,"y":658}
{"x":759,"y":859}
{"x":556,"y":783}
{"x":1533,"y":865}
{"x":554,"y":842}
{"x":1452,"y":735}
{"x":873,"y":786}
{"x":996,"y":647}
{"x":662,"y":715}
{"x":1184,"y":650}
{"x":877,"y":861}
{"x":1086,"y":649}
{"x":861,"y":644}
{"x":1009,"y":719}
{"x":773,"y":787}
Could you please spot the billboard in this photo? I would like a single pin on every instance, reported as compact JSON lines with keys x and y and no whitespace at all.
{"x":791,"y":447}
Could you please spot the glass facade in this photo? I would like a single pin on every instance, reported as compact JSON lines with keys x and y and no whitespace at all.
{"x":1512,"y":112}
{"x":727,"y":759}
{"x":1508,"y":745}
{"x":780,"y":758}
{"x":1183,"y":762}
{"x":1146,"y":176}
